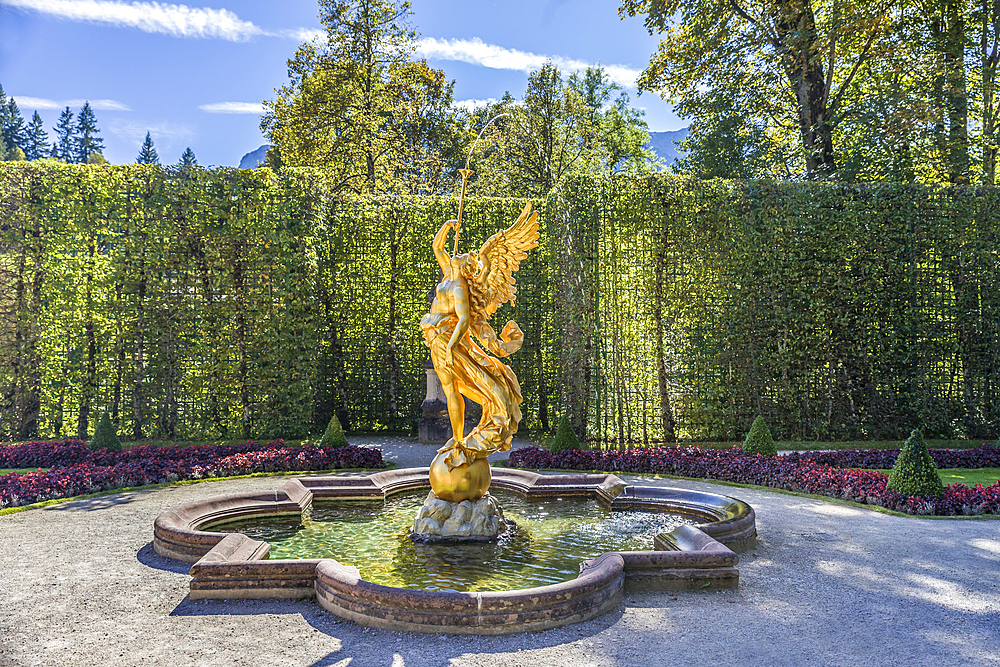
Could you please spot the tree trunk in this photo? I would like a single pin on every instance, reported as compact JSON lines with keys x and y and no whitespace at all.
{"x":89,"y":392}
{"x":989,"y":38}
{"x":956,"y":94}
{"x":139,"y":353}
{"x":666,"y":411}
{"x":796,"y":27}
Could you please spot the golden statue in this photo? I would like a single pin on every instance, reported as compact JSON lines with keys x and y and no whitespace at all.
{"x":475,"y":285}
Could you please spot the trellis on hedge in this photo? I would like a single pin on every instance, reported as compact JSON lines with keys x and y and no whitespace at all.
{"x":232,"y":303}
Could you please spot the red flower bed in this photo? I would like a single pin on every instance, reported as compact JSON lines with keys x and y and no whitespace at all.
{"x":801,"y":474}
{"x":984,"y":456}
{"x":75,"y":470}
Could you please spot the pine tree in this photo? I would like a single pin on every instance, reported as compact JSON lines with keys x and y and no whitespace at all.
{"x":4,"y":112}
{"x":36,"y":144}
{"x":147,"y":155}
{"x":87,"y":141}
{"x":62,"y":147}
{"x":188,"y":159}
{"x":13,"y":129}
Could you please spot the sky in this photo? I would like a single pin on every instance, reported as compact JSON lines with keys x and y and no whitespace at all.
{"x":195,"y":75}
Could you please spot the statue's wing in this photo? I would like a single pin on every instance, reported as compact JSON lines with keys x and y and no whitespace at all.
{"x":502,"y":254}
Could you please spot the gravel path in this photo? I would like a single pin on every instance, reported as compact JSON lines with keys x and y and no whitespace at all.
{"x":827,"y":585}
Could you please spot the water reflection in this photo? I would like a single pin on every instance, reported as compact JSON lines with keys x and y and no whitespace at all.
{"x":545,"y":545}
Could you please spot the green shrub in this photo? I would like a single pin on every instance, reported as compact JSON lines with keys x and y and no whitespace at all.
{"x":915,"y":473}
{"x":759,"y":440}
{"x":565,"y":437}
{"x":105,"y":435}
{"x":334,"y":435}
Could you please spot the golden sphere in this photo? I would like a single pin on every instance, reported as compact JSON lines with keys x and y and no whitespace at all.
{"x":466,"y":482}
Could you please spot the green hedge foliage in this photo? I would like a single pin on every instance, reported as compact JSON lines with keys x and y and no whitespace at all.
{"x":239,"y":303}
{"x":565,"y":438}
{"x":334,"y":435}
{"x":915,"y":473}
{"x":105,"y":435}
{"x":759,"y":440}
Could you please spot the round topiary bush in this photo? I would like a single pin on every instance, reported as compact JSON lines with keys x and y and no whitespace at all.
{"x":334,"y":435}
{"x":759,"y":440}
{"x":915,"y":473}
{"x":565,"y":437}
{"x":105,"y":435}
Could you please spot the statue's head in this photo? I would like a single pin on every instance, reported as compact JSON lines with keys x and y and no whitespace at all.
{"x":465,"y":264}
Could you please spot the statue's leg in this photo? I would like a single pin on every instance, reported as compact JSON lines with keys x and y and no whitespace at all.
{"x":456,"y":405}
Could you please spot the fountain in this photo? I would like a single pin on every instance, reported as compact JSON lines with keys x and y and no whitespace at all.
{"x":459,"y":509}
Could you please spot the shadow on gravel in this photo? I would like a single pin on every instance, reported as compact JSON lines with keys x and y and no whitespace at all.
{"x":99,"y":503}
{"x":150,"y":558}
{"x":372,"y":646}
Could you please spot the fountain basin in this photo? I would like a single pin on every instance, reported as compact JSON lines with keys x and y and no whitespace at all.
{"x":236,"y":566}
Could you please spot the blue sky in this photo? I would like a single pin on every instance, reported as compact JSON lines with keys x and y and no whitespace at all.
{"x":195,"y":75}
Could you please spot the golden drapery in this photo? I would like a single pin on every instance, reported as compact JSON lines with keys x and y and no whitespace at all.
{"x":484,"y":380}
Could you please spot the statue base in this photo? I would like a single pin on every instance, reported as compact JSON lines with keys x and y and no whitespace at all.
{"x":448,"y":521}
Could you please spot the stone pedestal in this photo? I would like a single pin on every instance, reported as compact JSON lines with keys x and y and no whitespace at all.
{"x":434,"y":426}
{"x":446,"y":521}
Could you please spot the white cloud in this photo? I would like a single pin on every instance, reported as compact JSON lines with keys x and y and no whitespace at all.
{"x":477,"y":52}
{"x":301,"y":34}
{"x":233,"y":107}
{"x":470,"y":105}
{"x":154,"y":17}
{"x":25,"y":102}
{"x":161,"y":132}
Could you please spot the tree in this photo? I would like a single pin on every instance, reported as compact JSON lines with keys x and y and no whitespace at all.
{"x":13,"y":126}
{"x":620,"y":131}
{"x":358,"y":105}
{"x":36,"y":144}
{"x":188,"y":159}
{"x":87,"y":141}
{"x":725,"y":141}
{"x":807,"y":57}
{"x":576,"y":126}
{"x":62,"y":147}
{"x":147,"y":154}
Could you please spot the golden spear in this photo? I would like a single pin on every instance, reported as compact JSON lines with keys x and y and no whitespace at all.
{"x":466,"y":173}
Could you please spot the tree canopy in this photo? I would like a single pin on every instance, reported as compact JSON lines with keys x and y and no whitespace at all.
{"x":357,"y":103}
{"x":582,"y":124}
{"x":856,"y":90}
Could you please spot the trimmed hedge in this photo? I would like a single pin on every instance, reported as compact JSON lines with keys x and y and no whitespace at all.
{"x":780,"y":472}
{"x":985,"y":456}
{"x":565,"y":437}
{"x":76,"y":470}
{"x":334,"y":435}
{"x":106,"y":435}
{"x":914,"y":473}
{"x":759,"y":440}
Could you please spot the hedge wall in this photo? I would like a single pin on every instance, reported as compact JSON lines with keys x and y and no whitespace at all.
{"x":229,"y":303}
{"x":835,"y":311}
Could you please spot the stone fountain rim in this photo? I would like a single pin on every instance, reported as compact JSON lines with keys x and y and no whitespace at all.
{"x":236,"y":566}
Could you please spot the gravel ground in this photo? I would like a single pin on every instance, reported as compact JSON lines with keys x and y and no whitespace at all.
{"x":827,"y":585}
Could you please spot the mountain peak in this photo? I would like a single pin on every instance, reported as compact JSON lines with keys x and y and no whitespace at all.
{"x":255,"y":158}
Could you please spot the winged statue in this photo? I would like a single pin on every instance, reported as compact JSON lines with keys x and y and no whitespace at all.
{"x":475,"y":285}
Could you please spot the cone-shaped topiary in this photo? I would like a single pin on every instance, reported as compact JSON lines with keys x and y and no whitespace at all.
{"x":105,"y":435}
{"x":565,"y":437}
{"x":759,"y":440}
{"x":915,"y":473}
{"x":334,"y":435}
